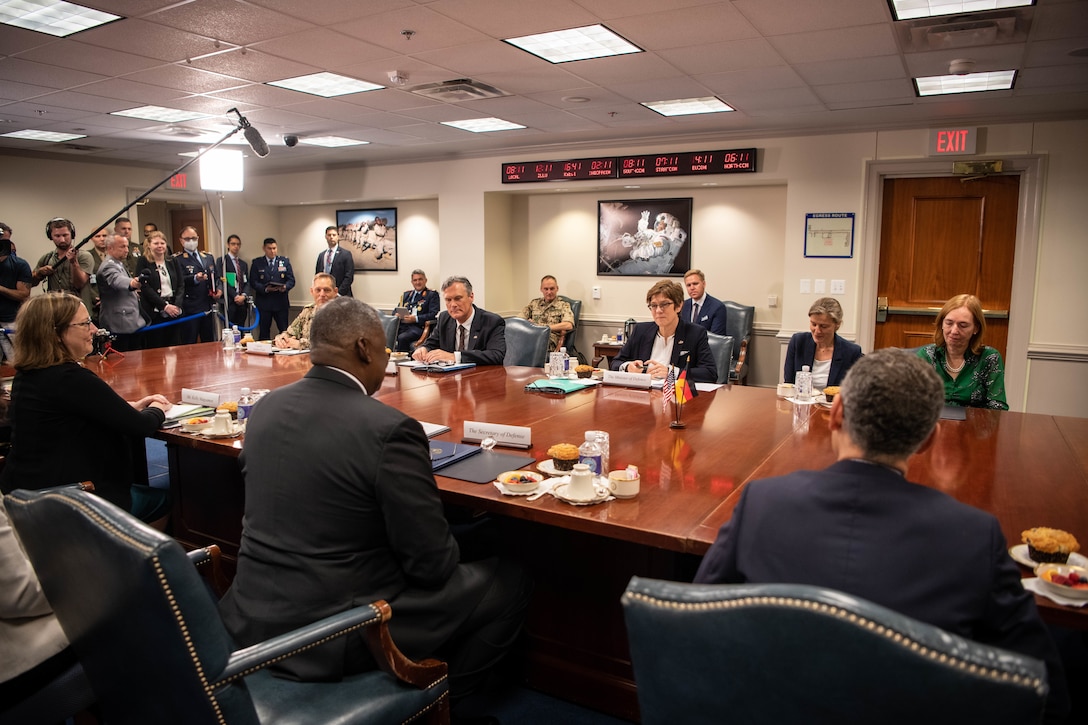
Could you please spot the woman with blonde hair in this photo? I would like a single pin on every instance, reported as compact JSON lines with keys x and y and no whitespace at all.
{"x":973,"y":374}
{"x":67,"y":424}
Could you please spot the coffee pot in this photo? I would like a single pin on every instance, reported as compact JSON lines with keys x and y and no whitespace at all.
{"x":628,"y":328}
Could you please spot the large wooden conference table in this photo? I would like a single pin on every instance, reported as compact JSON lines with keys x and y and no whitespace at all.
{"x":1026,"y":469}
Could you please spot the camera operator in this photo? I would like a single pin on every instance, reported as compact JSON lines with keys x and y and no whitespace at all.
{"x":15,"y":282}
{"x":120,"y":312}
{"x":160,"y":291}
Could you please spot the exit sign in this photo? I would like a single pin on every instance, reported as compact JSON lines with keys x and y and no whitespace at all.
{"x":952,"y":141}
{"x":179,"y":181}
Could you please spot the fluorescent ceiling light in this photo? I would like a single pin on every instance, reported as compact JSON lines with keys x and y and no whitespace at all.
{"x":50,"y":136}
{"x":326,"y":85}
{"x":688,"y":106}
{"x":910,"y":9}
{"x":998,"y":80}
{"x":60,"y":19}
{"x":159,"y":113}
{"x":562,"y":46}
{"x":331,"y":142}
{"x":483,"y":125}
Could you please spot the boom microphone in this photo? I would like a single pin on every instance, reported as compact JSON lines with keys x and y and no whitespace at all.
{"x":255,"y":141}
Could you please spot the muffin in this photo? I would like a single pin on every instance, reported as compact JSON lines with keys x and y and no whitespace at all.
{"x":584,"y":371}
{"x":231,"y":406}
{"x":831,"y":392}
{"x":1049,"y":545}
{"x":564,"y":456}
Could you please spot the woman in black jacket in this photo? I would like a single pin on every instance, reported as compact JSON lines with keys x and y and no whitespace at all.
{"x":162,"y":285}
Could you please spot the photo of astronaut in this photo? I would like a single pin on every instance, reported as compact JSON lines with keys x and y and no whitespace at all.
{"x":644,"y":237}
{"x":371,"y":235}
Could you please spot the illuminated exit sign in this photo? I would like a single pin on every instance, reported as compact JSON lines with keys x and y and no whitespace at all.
{"x":952,"y":141}
{"x":179,"y":181}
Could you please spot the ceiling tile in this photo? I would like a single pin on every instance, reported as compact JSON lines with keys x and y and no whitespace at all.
{"x":229,"y":20}
{"x":781,"y":17}
{"x":853,"y":42}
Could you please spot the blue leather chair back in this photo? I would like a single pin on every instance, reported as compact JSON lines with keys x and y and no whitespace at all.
{"x":149,"y":635}
{"x":526,"y":343}
{"x":789,"y":653}
{"x":722,"y":347}
{"x":738,"y":325}
{"x":569,"y":340}
{"x":391,"y":325}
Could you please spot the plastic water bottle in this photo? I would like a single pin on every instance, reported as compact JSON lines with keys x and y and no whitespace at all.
{"x":601,"y":438}
{"x":245,"y":404}
{"x":237,"y":335}
{"x":555,"y":365}
{"x":567,"y":369}
{"x":804,"y":383}
{"x":589,"y":453}
{"x":228,"y":340}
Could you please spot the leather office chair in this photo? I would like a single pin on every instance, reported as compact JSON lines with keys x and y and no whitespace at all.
{"x":722,"y":347}
{"x":391,"y":325}
{"x":526,"y":343}
{"x":567,"y":339}
{"x":738,"y":325}
{"x":149,"y":605}
{"x":790,"y":653}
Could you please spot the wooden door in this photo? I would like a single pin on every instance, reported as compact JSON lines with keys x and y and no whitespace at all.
{"x":181,"y":218}
{"x":941,"y":237}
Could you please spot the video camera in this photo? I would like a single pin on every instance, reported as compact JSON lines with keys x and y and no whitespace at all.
{"x":101,"y":341}
{"x":145,"y":277}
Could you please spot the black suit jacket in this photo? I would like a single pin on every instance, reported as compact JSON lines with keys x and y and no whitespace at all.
{"x":341,"y":515}
{"x":802,"y":351}
{"x":343,"y":269}
{"x":864,"y":529}
{"x":712,"y":314}
{"x":486,"y":343}
{"x":243,"y":278}
{"x":151,"y":298}
{"x":689,"y":342}
{"x":260,"y":276}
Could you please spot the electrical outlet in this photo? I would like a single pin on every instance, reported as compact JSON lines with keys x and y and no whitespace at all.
{"x":838,"y":286}
{"x":596,"y":293}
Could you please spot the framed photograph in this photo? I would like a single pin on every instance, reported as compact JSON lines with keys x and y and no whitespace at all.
{"x":644,"y":237}
{"x":829,"y":234}
{"x":371,"y":235}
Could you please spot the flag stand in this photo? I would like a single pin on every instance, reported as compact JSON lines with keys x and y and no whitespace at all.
{"x":677,"y":409}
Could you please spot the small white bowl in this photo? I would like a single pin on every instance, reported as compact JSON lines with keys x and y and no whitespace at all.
{"x":196,"y":427}
{"x":520,"y":481}
{"x":1043,"y":570}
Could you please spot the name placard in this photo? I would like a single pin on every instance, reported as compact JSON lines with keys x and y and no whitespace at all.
{"x":511,"y":436}
{"x":199,"y":397}
{"x":627,"y":380}
{"x":259,"y":348}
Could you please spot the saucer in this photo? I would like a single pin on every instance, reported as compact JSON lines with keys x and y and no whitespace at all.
{"x":236,"y":430}
{"x":515,"y":492}
{"x":602,"y":494}
{"x":1020,"y":554}
{"x":547,"y":467}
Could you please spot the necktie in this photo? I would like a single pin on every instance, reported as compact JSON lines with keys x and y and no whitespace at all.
{"x":460,"y":338}
{"x":196,"y":258}
{"x":695,"y":312}
{"x":328,"y":261}
{"x":237,"y":269}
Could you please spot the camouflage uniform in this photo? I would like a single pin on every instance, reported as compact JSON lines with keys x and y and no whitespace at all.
{"x":543,"y":313}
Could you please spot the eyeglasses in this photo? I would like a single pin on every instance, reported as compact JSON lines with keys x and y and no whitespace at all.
{"x":85,"y":323}
{"x":190,"y":239}
{"x":659,"y":306}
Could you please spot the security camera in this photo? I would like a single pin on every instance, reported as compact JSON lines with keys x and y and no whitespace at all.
{"x":291,"y":140}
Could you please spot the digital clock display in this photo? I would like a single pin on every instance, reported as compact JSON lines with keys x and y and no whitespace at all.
{"x":736,"y":161}
{"x":574,"y":170}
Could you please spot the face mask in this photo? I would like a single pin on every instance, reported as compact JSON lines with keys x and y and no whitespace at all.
{"x":189,"y":246}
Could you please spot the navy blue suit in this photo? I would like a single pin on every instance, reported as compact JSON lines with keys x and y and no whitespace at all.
{"x":197,"y":297}
{"x":863,"y":529}
{"x":271,"y":304}
{"x":688,"y":342}
{"x":236,"y":314}
{"x":711,"y":314}
{"x":426,"y":304}
{"x":486,"y":342}
{"x":342,"y":269}
{"x":802,"y":351}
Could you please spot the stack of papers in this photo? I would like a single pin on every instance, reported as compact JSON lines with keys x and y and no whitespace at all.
{"x":187,"y":410}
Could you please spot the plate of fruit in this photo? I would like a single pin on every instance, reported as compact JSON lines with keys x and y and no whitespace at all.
{"x":195,"y":425}
{"x":519,"y":482}
{"x":1064,"y":579}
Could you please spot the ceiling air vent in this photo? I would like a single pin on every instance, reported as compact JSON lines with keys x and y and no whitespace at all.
{"x":79,"y":148}
{"x":964,"y":31}
{"x":455,"y":91}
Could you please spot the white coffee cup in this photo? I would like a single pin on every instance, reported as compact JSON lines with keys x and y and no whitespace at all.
{"x":622,"y":486}
{"x":786,"y":390}
{"x":581,"y":486}
{"x":222,"y":423}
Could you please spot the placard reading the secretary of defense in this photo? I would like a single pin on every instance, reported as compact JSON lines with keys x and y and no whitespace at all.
{"x":829,"y":234}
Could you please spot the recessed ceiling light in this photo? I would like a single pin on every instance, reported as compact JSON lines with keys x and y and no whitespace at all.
{"x":910,"y":9}
{"x":563,"y":46}
{"x":331,"y":142}
{"x":483,"y":125}
{"x":688,"y":106}
{"x":160,"y":113}
{"x":326,"y":85}
{"x":60,"y":19}
{"x":32,"y":135}
{"x":998,"y":80}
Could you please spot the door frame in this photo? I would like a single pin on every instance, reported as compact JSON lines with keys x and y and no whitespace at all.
{"x":1030,"y":168}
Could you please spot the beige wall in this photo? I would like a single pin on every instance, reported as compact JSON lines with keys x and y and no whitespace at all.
{"x":456,"y":217}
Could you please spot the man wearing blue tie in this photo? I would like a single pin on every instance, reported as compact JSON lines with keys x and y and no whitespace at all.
{"x":271,"y":278}
{"x":700,"y":308}
{"x":201,"y":291}
{"x":336,"y":261}
{"x":416,"y":308}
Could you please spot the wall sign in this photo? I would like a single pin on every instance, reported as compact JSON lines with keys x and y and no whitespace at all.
{"x":954,"y":141}
{"x":830,"y":234}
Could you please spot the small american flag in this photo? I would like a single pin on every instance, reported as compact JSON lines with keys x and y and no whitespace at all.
{"x":668,"y":390}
